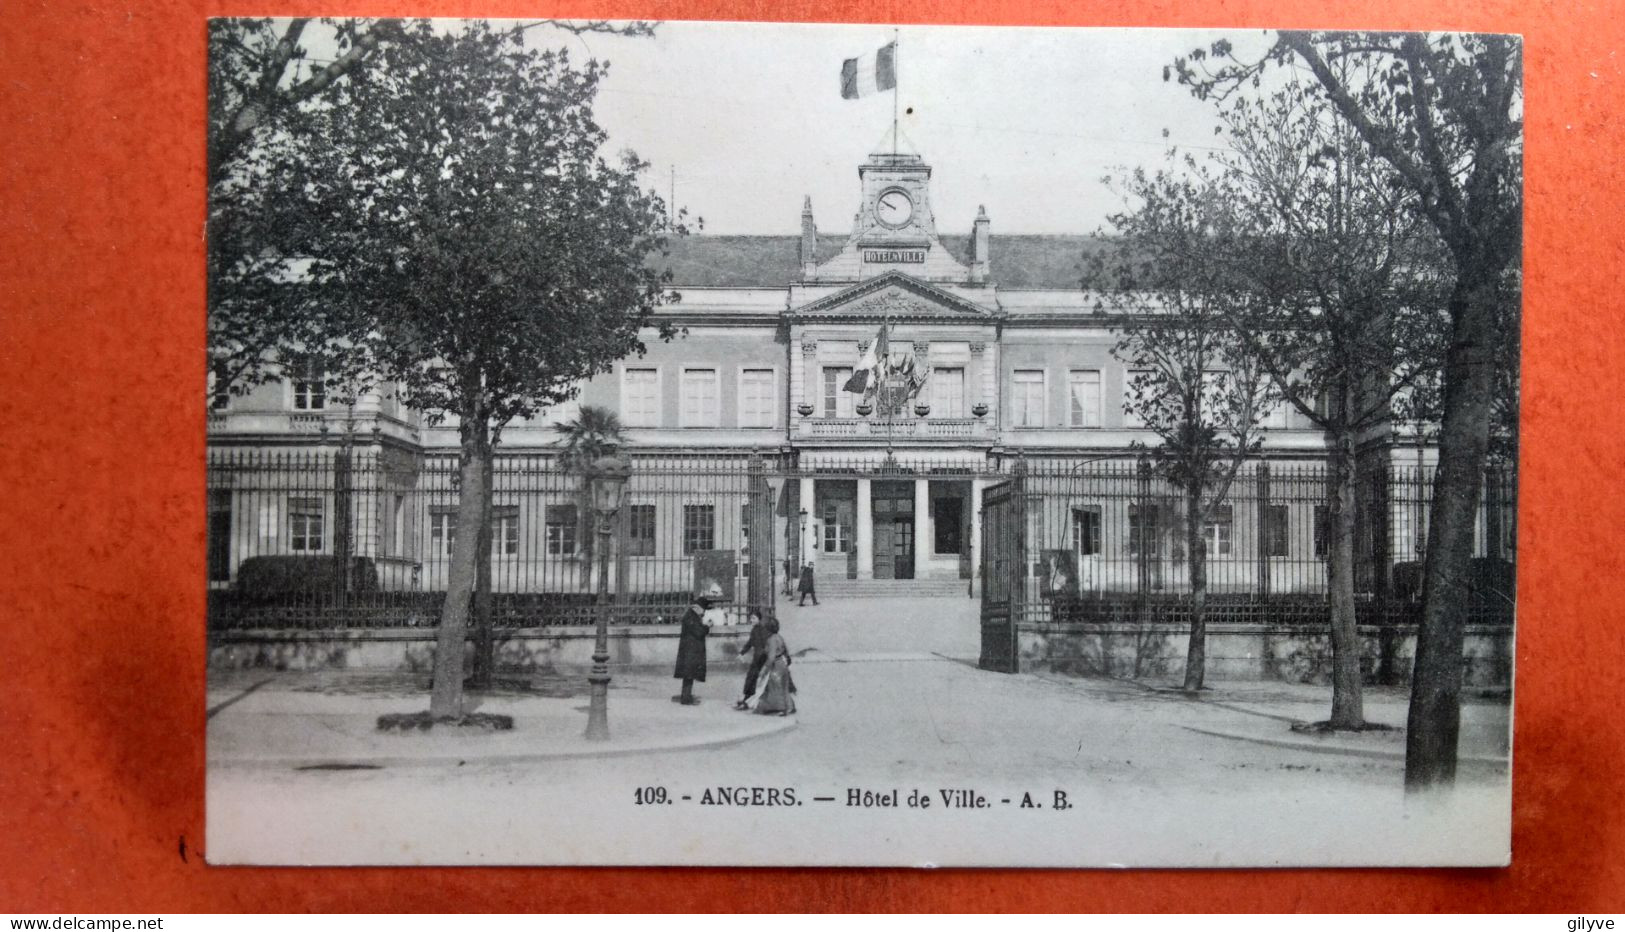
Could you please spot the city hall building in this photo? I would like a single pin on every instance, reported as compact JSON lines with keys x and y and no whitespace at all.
{"x":1018,"y":369}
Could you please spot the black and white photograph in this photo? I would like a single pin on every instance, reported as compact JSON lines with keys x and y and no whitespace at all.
{"x":702,"y":443}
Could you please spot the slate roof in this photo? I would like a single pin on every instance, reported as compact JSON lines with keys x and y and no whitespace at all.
{"x":1047,"y":261}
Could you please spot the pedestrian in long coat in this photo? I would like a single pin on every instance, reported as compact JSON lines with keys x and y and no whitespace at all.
{"x":691,"y":650}
{"x":806,"y":587}
{"x":756,"y":646}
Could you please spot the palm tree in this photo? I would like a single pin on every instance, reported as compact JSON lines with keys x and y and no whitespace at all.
{"x":595,"y":432}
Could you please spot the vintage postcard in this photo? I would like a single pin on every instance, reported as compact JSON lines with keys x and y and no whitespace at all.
{"x":679,"y":443}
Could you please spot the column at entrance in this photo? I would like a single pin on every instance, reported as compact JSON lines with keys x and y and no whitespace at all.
{"x":922,"y":528}
{"x":866,"y":531}
{"x":809,"y":534}
{"x":975,"y":542}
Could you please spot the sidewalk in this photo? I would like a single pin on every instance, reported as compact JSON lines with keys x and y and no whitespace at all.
{"x":329,"y":721}
{"x":1263,"y":713}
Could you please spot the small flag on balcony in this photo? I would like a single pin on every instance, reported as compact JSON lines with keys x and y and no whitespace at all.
{"x":861,"y":77}
{"x":913,"y":377}
{"x":866,"y":374}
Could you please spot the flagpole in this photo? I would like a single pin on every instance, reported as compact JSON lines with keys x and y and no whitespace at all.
{"x":896,"y":81}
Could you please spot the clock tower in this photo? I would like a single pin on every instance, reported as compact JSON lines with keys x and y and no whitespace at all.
{"x":896,"y":200}
{"x":894,"y":230}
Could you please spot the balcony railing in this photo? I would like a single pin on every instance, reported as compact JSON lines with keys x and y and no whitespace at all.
{"x":924,"y":428}
{"x":330,"y":424}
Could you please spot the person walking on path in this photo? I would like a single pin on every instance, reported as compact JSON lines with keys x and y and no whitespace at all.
{"x":778,"y":689}
{"x":756,"y":645}
{"x":691,"y":650}
{"x":806,"y":587}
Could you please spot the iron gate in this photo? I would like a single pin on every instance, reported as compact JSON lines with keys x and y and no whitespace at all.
{"x":1003,"y":566}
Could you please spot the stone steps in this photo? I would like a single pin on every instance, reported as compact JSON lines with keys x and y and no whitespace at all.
{"x":892,"y":588}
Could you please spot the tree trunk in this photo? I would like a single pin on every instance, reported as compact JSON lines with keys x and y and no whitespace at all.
{"x":446,"y":699}
{"x":1434,"y":722}
{"x":484,"y":644}
{"x":1196,"y":651}
{"x":1348,"y":707}
{"x":343,"y":522}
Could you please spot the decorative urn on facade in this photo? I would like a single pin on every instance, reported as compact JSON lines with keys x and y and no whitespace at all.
{"x":804,"y":409}
{"x":979,"y":409}
{"x":922,"y":409}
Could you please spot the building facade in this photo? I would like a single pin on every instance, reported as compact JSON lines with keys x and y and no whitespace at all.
{"x":1017,"y":364}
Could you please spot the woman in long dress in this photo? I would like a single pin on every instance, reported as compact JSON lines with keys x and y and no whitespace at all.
{"x":778,"y":690}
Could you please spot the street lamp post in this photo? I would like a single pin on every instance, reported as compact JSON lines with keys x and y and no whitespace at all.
{"x":803,"y":552}
{"x":609,"y":475}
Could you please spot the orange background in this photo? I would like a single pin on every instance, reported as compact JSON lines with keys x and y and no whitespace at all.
{"x":101,"y":461}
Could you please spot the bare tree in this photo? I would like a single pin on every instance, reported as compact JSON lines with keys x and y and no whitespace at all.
{"x":1445,"y":113}
{"x":1333,"y":296}
{"x":1192,"y":381}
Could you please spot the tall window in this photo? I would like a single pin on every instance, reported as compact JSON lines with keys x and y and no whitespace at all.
{"x":219,"y":393}
{"x":837,"y":535}
{"x":701,"y":401}
{"x":699,"y":528}
{"x":1323,"y":524}
{"x":1275,"y":415}
{"x":219,"y":539}
{"x":756,"y":398}
{"x":1142,"y":530}
{"x":1027,"y":398}
{"x":1217,"y":531}
{"x":744,"y":539}
{"x":947,"y":520}
{"x":395,"y":530}
{"x":640,"y":537}
{"x":1275,"y":531}
{"x":305,"y":525}
{"x":837,"y":403}
{"x":1035,"y":537}
{"x":1083,"y":397}
{"x":504,"y":530}
{"x":442,"y":531}
{"x":640,"y":397}
{"x":1216,"y":386}
{"x":948,"y":392}
{"x":1086,"y":530}
{"x":309,"y":387}
{"x":1131,"y":414}
{"x":560,"y":529}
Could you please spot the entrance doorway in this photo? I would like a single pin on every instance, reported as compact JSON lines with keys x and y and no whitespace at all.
{"x":894,"y":529}
{"x":835,"y":526}
{"x":950,"y":526}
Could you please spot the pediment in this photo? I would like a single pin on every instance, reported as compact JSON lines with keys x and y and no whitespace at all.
{"x":892,"y":296}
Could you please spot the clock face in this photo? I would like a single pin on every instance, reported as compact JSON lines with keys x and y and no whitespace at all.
{"x":894,"y":208}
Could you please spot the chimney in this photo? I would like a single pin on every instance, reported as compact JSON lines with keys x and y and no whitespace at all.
{"x":809,"y":240}
{"x":980,"y":261}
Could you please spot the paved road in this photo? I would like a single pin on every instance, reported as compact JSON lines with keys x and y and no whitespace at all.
{"x":890,"y":700}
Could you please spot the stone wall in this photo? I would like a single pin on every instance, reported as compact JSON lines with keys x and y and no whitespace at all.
{"x":1248,"y":652}
{"x":560,"y":649}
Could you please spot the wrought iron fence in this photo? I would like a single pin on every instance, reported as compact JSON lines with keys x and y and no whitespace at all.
{"x":341,"y":538}
{"x":1107,"y":542}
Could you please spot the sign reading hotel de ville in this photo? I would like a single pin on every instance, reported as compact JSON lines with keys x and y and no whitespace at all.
{"x":897,"y":550}
{"x":894,"y":256}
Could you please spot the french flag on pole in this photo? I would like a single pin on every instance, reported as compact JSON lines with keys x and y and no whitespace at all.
{"x":861,"y":77}
{"x":869,"y":370}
